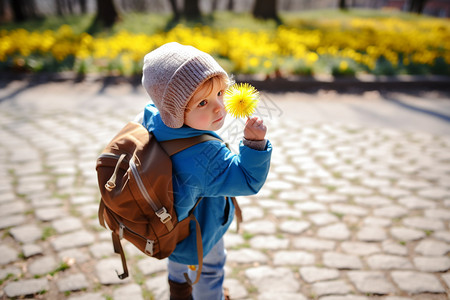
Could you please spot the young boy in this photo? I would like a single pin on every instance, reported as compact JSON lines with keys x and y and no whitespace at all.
{"x":187,"y":88}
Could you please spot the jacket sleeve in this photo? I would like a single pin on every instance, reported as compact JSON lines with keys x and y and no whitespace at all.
{"x":229,"y":174}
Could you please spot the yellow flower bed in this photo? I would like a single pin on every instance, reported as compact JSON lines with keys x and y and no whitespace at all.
{"x":359,"y":45}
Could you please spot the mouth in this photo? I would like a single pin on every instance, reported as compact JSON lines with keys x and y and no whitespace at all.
{"x":218,"y":120}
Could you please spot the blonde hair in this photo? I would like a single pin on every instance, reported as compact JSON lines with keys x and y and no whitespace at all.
{"x":209,"y":84}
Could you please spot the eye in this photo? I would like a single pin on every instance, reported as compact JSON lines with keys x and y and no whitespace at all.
{"x":202,"y":103}
{"x":220,"y":93}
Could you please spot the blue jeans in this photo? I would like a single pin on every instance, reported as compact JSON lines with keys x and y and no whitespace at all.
{"x":209,"y":287}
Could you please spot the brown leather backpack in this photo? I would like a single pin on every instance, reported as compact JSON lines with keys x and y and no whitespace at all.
{"x":135,"y":179}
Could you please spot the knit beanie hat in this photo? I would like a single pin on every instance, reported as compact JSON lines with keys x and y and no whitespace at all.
{"x":171,"y":74}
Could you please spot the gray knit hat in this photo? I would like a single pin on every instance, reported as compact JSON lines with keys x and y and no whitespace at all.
{"x":171,"y":74}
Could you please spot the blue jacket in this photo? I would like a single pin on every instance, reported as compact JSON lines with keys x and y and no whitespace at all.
{"x":209,"y":170}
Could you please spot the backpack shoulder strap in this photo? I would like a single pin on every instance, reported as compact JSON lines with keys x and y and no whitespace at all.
{"x":177,"y":145}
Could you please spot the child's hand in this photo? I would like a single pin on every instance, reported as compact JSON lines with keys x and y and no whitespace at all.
{"x":254,"y":129}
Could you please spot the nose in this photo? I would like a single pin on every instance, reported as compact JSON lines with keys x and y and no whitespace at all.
{"x":219,"y":105}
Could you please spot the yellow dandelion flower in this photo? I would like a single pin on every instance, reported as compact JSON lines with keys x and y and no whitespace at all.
{"x":241,"y":100}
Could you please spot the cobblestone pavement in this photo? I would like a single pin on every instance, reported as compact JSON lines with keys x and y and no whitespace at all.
{"x":349,"y":211}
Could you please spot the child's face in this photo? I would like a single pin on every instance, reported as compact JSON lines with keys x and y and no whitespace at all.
{"x":206,"y":110}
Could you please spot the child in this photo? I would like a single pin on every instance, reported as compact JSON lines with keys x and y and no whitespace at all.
{"x":187,"y":87}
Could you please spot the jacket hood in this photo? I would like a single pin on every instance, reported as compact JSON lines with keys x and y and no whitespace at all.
{"x":153,"y":122}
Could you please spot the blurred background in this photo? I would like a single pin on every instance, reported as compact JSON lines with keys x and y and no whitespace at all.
{"x":271,"y":38}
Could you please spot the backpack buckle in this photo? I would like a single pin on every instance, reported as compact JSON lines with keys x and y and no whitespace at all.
{"x":163,"y":215}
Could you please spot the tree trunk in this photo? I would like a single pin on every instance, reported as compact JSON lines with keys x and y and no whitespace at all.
{"x":265,"y":9}
{"x":83,"y":6}
{"x":175,"y":11}
{"x":191,"y":9}
{"x":230,"y":5}
{"x":18,"y":9}
{"x":107,"y":13}
{"x":417,"y":6}
{"x":342,"y":5}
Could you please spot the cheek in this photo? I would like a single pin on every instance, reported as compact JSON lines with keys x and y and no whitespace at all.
{"x":197,"y":120}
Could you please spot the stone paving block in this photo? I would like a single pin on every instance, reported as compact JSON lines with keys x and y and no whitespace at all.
{"x":360,"y":248}
{"x":42,"y":265}
{"x":445,"y":277}
{"x":337,"y":231}
{"x":442,"y":214}
{"x":50,"y":213}
{"x":11,"y":208}
{"x":82,"y":199}
{"x":388,"y":262}
{"x":324,"y":218}
{"x":88,"y":210}
{"x":294,"y":227}
{"x":158,"y":286}
{"x":151,"y":265}
{"x":390,"y":211}
{"x":371,"y":234}
{"x":432,"y":264}
{"x":45,"y":201}
{"x":406,"y":234}
{"x":101,"y":250}
{"x":26,"y":233}
{"x":423,"y":223}
{"x":67,"y":224}
{"x":314,"y":274}
{"x":414,"y":202}
{"x":74,"y":282}
{"x":105,"y":269}
{"x":347,"y":209}
{"x":313,"y":244}
{"x":310,"y":206}
{"x":442,"y":235}
{"x":72,"y":240}
{"x":128,"y":292}
{"x":280,"y":295}
{"x":434,"y":193}
{"x":394,"y":192}
{"x":430,"y":247}
{"x":77,"y":255}
{"x":88,"y":296}
{"x":26,"y":287}
{"x":394,"y":247}
{"x":346,"y":297}
{"x":9,"y":271}
{"x":260,"y":227}
{"x":31,"y":188}
{"x":278,"y":185}
{"x":267,"y":279}
{"x":330,"y":198}
{"x":252,"y":212}
{"x":293,"y":258}
{"x":415,"y":282}
{"x":285,"y":213}
{"x":341,"y":261}
{"x":246,"y":256}
{"x":332,"y":287}
{"x":269,"y":242}
{"x":371,"y":282}
{"x":373,"y":201}
{"x":235,"y":288}
{"x":8,"y":255}
{"x":31,"y":250}
{"x":6,"y":195}
{"x":233,"y":240}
